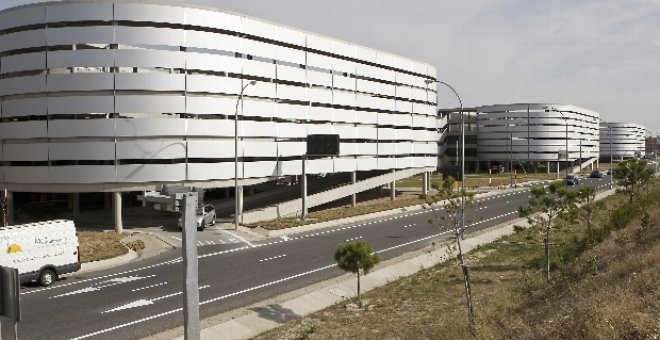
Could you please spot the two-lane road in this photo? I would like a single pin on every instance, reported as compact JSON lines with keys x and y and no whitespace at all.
{"x":145,"y":297}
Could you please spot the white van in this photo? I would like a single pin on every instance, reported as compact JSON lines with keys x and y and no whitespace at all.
{"x":40,"y":251}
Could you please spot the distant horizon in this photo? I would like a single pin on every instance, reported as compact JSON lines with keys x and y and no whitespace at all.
{"x":596,"y":55}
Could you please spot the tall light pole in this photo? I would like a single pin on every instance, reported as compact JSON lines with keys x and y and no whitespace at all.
{"x":429,"y":81}
{"x":611,"y":157}
{"x":236,"y":205}
{"x":566,"y":123}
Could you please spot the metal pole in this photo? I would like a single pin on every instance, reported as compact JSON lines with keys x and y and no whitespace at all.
{"x":567,"y":154}
{"x":303,"y":187}
{"x":462,"y":158}
{"x":428,"y":81}
{"x":611,"y":168}
{"x":190,"y":271}
{"x":236,"y":208}
{"x":511,"y":156}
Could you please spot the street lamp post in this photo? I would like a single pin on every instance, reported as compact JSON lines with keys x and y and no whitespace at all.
{"x":565,"y":123}
{"x":236,"y":205}
{"x":611,"y":157}
{"x":429,"y":81}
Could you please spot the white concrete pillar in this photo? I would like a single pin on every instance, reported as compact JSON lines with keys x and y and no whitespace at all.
{"x":354,"y":196}
{"x":9,"y":196}
{"x":76,"y":204}
{"x":239,"y":201}
{"x":393,"y":188}
{"x":116,"y":205}
{"x":425,"y":183}
{"x":547,"y":167}
{"x":303,"y":188}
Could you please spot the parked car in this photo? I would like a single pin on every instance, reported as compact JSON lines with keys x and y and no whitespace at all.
{"x":204,"y":218}
{"x":609,"y":171}
{"x":596,"y":174}
{"x":571,"y":180}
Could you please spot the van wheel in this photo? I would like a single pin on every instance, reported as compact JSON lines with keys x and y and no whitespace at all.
{"x":213,"y":223}
{"x":47,"y":277}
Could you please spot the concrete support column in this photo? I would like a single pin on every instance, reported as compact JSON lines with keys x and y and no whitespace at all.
{"x":354,"y":196}
{"x":393,"y":189}
{"x":239,"y":194}
{"x":76,"y":204}
{"x":425,"y":183}
{"x":9,"y":196}
{"x":303,"y":188}
{"x":547,"y":167}
{"x":116,"y":205}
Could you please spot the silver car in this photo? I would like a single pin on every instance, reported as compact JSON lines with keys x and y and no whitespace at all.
{"x":204,"y":218}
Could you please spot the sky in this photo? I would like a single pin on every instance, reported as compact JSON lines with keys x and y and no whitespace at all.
{"x":600,"y":55}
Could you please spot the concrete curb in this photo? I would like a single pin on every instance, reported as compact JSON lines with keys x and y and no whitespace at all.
{"x":108,"y":263}
{"x":354,"y":219}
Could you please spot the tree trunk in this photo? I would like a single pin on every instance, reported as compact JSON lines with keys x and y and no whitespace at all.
{"x":546,"y":242}
{"x":358,"y":290}
{"x":466,"y":283}
{"x":468,"y":295}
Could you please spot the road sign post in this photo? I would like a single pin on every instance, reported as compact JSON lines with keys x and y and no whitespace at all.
{"x":10,"y":298}
{"x":190,"y":271}
{"x":185,"y":202}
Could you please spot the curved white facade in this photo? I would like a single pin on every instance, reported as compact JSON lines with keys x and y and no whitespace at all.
{"x":102,"y":95}
{"x":536,"y":132}
{"x":627,"y":140}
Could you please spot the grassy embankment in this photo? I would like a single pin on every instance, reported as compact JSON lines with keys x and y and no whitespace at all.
{"x":603,"y":286}
{"x":97,"y":245}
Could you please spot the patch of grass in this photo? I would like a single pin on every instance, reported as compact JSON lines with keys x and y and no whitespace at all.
{"x":364,"y":208}
{"x":97,"y":245}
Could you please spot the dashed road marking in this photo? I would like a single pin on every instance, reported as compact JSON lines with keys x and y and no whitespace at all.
{"x":273,"y":258}
{"x":149,"y":286}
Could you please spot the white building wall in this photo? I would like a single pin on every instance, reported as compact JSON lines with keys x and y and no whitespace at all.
{"x":136,"y":93}
{"x":621,"y":140}
{"x":536,"y":132}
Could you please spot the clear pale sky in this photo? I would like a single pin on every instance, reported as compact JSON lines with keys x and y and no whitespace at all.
{"x":601,"y":55}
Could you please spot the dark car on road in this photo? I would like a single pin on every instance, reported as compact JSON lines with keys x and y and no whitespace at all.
{"x":571,"y":180}
{"x":596,"y":174}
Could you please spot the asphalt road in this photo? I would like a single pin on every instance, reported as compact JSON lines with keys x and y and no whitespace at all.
{"x":145,"y":297}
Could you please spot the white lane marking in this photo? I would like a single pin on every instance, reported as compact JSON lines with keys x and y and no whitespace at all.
{"x":284,"y":237}
{"x":146,"y":302}
{"x":177,"y":260}
{"x":272,"y":258}
{"x":149,"y":286}
{"x":177,"y":238}
{"x":410,"y":225}
{"x":108,"y":283}
{"x":156,"y":316}
{"x":222,"y":252}
{"x":352,"y":239}
{"x":240,"y":238}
